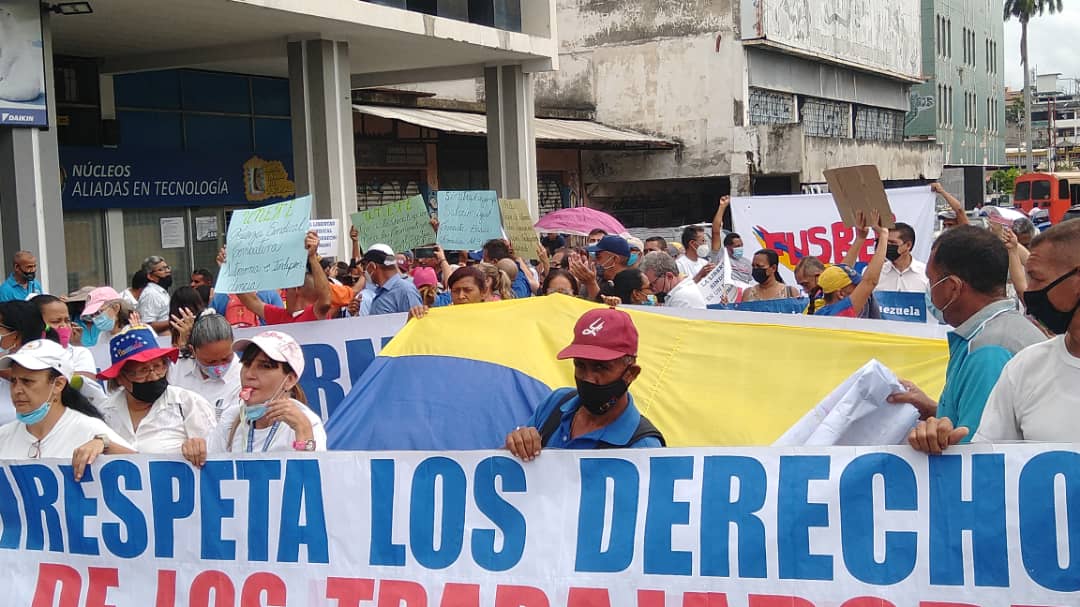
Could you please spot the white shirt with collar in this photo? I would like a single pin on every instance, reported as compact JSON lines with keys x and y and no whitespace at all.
{"x":222,"y":394}
{"x":154,"y":303}
{"x":686,"y":294}
{"x":175,"y":416}
{"x":243,"y":434}
{"x":70,"y":432}
{"x":909,"y":280}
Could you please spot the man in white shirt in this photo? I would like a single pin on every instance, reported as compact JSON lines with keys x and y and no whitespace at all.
{"x":1036,"y":398}
{"x":674,"y":291}
{"x":154,"y":301}
{"x":902,"y":272}
{"x":694,"y":262}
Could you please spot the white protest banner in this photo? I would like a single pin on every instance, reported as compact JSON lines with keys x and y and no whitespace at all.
{"x":795,"y":226}
{"x":266,"y":247}
{"x":329,"y":235}
{"x":810,"y":527}
{"x":717,"y":286}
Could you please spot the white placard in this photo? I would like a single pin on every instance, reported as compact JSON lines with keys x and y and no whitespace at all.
{"x":328,"y":232}
{"x":172,"y":233}
{"x":206,"y":228}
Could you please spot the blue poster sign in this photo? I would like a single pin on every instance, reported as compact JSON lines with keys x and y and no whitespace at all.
{"x":101,"y":178}
{"x":905,"y":307}
{"x":22,"y":65}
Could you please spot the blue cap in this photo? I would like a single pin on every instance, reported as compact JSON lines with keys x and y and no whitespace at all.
{"x":855,"y":277}
{"x":476,"y":255}
{"x":614,"y":244}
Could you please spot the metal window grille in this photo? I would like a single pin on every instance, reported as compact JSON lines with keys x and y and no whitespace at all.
{"x":770,"y":107}
{"x":823,"y":118}
{"x":879,"y":124}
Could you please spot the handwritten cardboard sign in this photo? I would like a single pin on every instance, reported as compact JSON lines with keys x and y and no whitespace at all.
{"x":518,"y":225}
{"x":266,"y":247}
{"x":859,"y":188}
{"x":401,"y":225}
{"x":468,"y":219}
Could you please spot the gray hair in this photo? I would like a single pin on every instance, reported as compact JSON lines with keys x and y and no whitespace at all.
{"x":659,"y":263}
{"x":1023,"y":225}
{"x":149,"y":263}
{"x":210,"y":328}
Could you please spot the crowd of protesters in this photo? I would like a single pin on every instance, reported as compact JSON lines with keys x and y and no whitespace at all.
{"x":1010,"y":293}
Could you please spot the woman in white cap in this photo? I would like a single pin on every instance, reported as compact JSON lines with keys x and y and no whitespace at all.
{"x":147,"y":412}
{"x":106,"y":314}
{"x":52,"y":418}
{"x":274,"y":415}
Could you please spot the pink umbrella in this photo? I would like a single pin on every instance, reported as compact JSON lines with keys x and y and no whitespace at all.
{"x":579,"y":221}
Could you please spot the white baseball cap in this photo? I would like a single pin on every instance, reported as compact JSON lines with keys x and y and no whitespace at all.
{"x":277,"y":346}
{"x":39,"y":355}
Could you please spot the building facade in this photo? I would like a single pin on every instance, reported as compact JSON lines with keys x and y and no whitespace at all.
{"x":962,"y":103}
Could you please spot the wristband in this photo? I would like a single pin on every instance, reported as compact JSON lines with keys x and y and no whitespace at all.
{"x":303,"y":445}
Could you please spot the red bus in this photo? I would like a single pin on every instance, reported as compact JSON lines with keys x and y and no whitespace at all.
{"x":1055,"y":192}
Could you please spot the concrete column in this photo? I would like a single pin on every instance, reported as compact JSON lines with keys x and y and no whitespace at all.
{"x":323,"y":151}
{"x":31,"y":215}
{"x":510,"y":135}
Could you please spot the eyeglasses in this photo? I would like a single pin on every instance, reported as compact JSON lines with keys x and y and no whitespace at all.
{"x":156,"y":371}
{"x":164,"y":268}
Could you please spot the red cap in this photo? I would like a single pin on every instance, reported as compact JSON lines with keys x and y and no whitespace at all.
{"x":603,"y":334}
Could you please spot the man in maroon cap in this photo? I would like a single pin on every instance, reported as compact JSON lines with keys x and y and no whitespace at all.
{"x":599,"y":413}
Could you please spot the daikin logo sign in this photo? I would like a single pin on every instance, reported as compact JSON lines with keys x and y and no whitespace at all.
{"x":9,"y":117}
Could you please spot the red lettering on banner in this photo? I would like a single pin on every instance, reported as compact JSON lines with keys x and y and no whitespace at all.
{"x":393,"y":592}
{"x":819,"y":236}
{"x":771,"y":600}
{"x":704,"y":599}
{"x":588,"y":597}
{"x":52,"y":577}
{"x":842,"y":237}
{"x":520,"y":596}
{"x":461,"y":595}
{"x":259,"y":583}
{"x":867,"y":601}
{"x":100,"y":580}
{"x":166,"y":588}
{"x":650,"y":598}
{"x":216,"y":581}
{"x":350,"y":591}
{"x":939,"y":604}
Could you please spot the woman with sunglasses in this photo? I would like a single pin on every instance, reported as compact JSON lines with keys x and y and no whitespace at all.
{"x":274,"y":415}
{"x":146,"y":411}
{"x":52,"y":418}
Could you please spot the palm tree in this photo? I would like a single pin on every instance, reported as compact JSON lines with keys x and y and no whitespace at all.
{"x":1024,"y":10}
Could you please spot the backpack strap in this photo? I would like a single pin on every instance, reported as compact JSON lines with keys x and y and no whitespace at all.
{"x":645,"y":429}
{"x":551,"y":424}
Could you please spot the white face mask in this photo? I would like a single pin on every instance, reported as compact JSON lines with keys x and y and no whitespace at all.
{"x":703,"y":250}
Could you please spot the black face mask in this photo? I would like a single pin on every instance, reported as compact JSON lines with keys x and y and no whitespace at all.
{"x":149,"y":391}
{"x":29,"y":276}
{"x":759,"y":275}
{"x":598,"y":399}
{"x":165,"y":283}
{"x":892,"y":252}
{"x":1039,"y":306}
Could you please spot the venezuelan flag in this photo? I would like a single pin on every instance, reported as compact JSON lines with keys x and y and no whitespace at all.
{"x":464,"y":376}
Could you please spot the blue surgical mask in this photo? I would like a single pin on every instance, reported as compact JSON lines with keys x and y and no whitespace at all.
{"x":650,"y":300}
{"x":633,"y":259}
{"x":104,"y":323}
{"x":254,"y":412}
{"x":38,"y":414}
{"x":736,"y":253}
{"x":931,"y":309}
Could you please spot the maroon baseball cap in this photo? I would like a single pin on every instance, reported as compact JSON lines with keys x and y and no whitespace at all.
{"x":603,"y":334}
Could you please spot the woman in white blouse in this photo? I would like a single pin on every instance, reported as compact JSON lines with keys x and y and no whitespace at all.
{"x":210,"y":368}
{"x":52,"y":418}
{"x":147,"y":412}
{"x":274,"y":415}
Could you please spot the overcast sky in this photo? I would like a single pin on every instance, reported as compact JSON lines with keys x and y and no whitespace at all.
{"x":1050,"y":45}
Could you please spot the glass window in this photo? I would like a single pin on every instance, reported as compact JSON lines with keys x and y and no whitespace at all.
{"x":84,"y":233}
{"x":143,"y":238}
{"x":271,"y":96}
{"x":206,"y":242}
{"x":1023,"y":191}
{"x":273,"y":137}
{"x":1063,"y":189}
{"x":215,"y":133}
{"x":151,"y":130}
{"x":215,"y":92}
{"x":1040,"y":190}
{"x":157,"y":90}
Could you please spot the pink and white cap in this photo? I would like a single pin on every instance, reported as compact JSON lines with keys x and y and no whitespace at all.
{"x":277,"y":346}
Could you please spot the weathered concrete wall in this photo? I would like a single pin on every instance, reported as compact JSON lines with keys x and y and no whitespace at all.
{"x":894,"y":160}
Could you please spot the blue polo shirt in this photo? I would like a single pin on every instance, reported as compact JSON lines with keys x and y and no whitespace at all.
{"x":617,"y":433}
{"x":521,"y":287}
{"x":13,"y":291}
{"x":395,"y":296}
{"x":978,"y":351}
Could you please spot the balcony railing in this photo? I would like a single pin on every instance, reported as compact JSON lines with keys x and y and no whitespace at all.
{"x":501,"y":14}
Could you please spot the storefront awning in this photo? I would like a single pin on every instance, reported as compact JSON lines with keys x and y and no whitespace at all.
{"x":548,"y":130}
